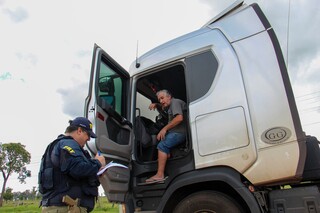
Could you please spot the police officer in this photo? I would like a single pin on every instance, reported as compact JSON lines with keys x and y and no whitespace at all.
{"x":69,"y":169}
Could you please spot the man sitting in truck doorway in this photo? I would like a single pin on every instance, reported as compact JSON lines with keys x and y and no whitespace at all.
{"x":171,"y":135}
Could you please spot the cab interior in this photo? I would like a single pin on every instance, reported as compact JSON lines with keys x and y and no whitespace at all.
{"x":147,"y":122}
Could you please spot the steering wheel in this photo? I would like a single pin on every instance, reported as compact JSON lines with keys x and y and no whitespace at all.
{"x":162,"y":118}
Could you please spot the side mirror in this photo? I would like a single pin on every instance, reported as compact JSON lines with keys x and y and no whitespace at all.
{"x":106,"y":85}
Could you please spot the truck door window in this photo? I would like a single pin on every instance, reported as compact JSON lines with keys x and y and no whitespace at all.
{"x":110,"y":87}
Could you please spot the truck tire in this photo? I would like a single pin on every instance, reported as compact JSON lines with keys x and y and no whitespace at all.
{"x":208,"y":202}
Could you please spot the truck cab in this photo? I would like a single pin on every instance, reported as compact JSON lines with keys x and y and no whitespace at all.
{"x":243,"y":127}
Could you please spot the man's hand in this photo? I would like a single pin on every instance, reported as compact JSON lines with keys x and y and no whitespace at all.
{"x":175,"y":121}
{"x":101,"y":159}
{"x":153,"y":106}
{"x":162,"y":134}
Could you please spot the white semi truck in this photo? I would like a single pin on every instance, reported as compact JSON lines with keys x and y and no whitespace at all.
{"x":245,"y":149}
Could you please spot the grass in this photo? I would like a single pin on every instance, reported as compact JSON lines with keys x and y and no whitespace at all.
{"x":104,"y":206}
{"x":32,"y":206}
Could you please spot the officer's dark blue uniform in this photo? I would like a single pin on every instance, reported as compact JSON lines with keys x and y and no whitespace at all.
{"x":74,"y":174}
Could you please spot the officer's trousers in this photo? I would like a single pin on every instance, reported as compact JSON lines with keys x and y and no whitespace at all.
{"x":61,"y":209}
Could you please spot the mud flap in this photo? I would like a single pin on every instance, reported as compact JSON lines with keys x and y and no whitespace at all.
{"x":312,"y":164}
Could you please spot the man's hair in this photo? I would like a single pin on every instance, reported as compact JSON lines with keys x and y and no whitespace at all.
{"x":71,"y":128}
{"x":164,"y":91}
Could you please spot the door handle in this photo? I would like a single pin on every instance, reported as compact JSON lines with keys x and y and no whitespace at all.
{"x":91,"y":109}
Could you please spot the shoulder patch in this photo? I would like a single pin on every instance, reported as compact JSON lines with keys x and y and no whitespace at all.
{"x":69,"y":149}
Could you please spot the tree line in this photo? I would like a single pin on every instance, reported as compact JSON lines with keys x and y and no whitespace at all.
{"x":26,"y":195}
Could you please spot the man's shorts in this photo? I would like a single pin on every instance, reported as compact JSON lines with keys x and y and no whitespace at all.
{"x":171,"y":140}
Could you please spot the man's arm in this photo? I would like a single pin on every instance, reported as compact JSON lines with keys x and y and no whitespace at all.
{"x":74,"y":162}
{"x":154,"y":106}
{"x":175,"y":121}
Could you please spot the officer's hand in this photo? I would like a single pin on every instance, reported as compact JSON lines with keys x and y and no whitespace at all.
{"x":101,"y":159}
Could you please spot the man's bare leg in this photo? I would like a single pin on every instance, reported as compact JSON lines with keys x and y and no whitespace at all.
{"x":162,"y":160}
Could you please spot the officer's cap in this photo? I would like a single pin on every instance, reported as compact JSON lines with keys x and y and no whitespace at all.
{"x":85,"y":124}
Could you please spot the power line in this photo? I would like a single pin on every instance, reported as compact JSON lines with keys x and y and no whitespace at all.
{"x":309,"y":124}
{"x":309,"y":102}
{"x":288,"y":31}
{"x":311,"y":108}
{"x":301,"y":96}
{"x":308,"y":98}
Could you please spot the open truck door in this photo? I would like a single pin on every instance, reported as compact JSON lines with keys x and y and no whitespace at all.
{"x":106,"y":107}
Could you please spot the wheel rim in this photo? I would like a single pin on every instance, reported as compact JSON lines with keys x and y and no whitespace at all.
{"x":205,"y":211}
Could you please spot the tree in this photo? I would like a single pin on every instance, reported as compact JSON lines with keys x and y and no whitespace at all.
{"x":23,"y":174}
{"x":8,"y":195}
{"x":13,"y":158}
{"x":34,"y":193}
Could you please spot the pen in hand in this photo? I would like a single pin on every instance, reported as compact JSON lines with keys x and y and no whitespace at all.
{"x":100,"y":158}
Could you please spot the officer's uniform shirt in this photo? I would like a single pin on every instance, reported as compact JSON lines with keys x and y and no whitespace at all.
{"x":74,"y":161}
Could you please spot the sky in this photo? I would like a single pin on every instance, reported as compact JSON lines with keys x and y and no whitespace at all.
{"x":46,"y":52}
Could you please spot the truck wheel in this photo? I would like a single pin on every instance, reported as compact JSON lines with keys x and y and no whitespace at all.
{"x":208,"y":202}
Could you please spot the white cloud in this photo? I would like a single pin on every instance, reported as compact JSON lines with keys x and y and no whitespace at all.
{"x":16,"y":15}
{"x":73,"y":99}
